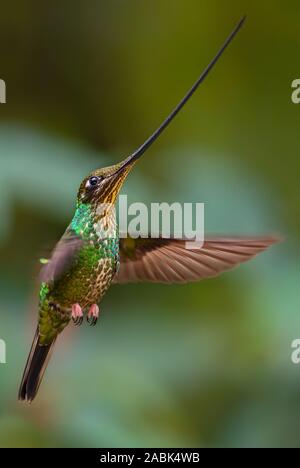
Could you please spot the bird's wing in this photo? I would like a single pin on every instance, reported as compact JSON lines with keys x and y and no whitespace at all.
{"x":62,"y":257}
{"x":168,"y":260}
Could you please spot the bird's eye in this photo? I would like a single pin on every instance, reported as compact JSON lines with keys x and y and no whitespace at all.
{"x":93,"y":181}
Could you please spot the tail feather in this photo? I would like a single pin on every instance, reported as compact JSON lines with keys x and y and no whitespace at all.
{"x":35,"y":367}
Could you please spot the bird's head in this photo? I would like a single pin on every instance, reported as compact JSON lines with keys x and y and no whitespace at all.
{"x":103,"y":185}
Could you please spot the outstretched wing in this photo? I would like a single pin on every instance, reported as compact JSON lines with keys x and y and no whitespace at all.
{"x":62,"y":257}
{"x":168,"y":260}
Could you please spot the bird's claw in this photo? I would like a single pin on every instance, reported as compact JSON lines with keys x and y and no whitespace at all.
{"x":92,"y":321}
{"x":77,"y":321}
{"x":93,"y":315}
{"x":77,"y":314}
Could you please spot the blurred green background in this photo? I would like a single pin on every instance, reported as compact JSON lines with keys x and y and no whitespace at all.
{"x":204,"y":364}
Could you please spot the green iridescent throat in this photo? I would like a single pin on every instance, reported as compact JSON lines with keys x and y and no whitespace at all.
{"x":82,"y":222}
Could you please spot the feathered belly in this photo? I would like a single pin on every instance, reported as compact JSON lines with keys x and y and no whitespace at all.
{"x":88,"y":279}
{"x":99,"y":282}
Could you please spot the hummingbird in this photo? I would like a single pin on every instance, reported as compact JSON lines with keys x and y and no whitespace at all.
{"x":91,"y":256}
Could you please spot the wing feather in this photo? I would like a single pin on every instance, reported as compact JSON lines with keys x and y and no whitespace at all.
{"x":62,"y":257}
{"x":168,"y":260}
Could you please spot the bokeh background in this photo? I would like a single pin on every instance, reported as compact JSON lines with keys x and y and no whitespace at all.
{"x":204,"y":364}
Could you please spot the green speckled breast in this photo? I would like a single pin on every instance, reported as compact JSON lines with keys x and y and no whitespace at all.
{"x":88,"y":276}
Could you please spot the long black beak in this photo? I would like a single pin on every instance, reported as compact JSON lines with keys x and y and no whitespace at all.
{"x":141,"y":150}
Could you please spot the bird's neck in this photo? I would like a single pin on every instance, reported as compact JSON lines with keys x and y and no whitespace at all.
{"x":95,"y":221}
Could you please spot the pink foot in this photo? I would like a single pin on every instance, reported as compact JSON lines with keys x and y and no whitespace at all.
{"x":93,"y":315}
{"x":77,"y":314}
